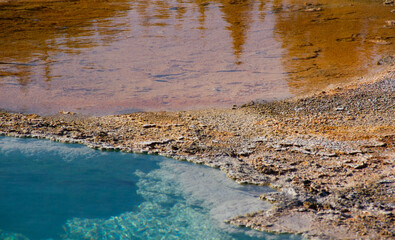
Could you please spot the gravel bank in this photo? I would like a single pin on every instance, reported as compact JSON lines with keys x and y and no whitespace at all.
{"x":331,"y":155}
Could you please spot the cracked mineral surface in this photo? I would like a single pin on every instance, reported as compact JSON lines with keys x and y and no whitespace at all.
{"x":330,"y":154}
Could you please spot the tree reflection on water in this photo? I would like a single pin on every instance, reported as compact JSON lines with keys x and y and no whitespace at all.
{"x":308,"y":45}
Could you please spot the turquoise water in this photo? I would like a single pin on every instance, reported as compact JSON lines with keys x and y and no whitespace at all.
{"x":66,"y":191}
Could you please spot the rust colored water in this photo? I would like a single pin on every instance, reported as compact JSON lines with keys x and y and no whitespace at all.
{"x":105,"y":57}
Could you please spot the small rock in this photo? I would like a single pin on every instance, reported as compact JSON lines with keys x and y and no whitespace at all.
{"x":374,"y":144}
{"x":352,"y":152}
{"x":388,"y":60}
{"x":301,"y":150}
{"x":358,"y":165}
{"x":245,"y":153}
{"x":67,"y":113}
{"x":151,"y":143}
{"x":313,"y":9}
{"x":301,"y":210}
{"x":268,"y":198}
{"x":390,"y":22}
{"x":379,"y":41}
{"x":326,"y":154}
{"x":385,"y":181}
{"x":289,"y":191}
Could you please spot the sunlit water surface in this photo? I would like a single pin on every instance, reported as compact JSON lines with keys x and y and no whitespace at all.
{"x":106,"y":57}
{"x":66,"y":191}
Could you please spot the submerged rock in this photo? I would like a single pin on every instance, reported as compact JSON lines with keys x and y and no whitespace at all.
{"x":388,"y":59}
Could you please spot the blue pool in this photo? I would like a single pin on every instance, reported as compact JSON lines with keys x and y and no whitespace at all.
{"x":53,"y":190}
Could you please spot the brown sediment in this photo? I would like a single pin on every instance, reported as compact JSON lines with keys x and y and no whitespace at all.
{"x":331,"y":154}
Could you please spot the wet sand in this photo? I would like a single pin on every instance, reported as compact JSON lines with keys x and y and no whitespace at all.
{"x":330,"y":154}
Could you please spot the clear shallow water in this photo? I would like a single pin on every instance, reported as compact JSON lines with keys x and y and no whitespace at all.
{"x":66,"y":191}
{"x":106,"y":57}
